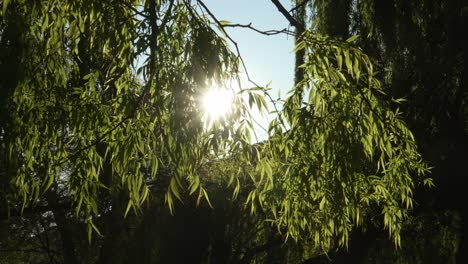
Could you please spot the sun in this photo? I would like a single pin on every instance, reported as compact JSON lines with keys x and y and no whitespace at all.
{"x":217,"y":102}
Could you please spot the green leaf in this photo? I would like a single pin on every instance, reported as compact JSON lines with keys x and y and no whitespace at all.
{"x":357,"y":71}
{"x":129,"y":206}
{"x":206,"y":197}
{"x":194,"y":185}
{"x":348,"y":61}
{"x":339,"y":60}
{"x":5,"y":5}
{"x":352,"y":38}
{"x":322,"y":203}
{"x":224,"y":22}
{"x":175,"y":189}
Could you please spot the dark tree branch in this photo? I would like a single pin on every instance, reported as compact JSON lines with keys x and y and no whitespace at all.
{"x":299,"y":6}
{"x":130,"y":6}
{"x":94,"y":143}
{"x":288,"y":16}
{"x":263,"y":32}
{"x":244,"y":67}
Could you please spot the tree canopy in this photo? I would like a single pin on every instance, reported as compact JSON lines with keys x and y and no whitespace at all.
{"x":101,"y":109}
{"x":419,"y":49}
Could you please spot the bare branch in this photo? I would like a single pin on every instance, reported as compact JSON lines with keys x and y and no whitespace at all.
{"x":244,"y":67}
{"x":263,"y":32}
{"x":299,"y":6}
{"x":288,"y":16}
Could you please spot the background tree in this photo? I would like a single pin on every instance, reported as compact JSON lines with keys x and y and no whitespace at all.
{"x":419,"y":50}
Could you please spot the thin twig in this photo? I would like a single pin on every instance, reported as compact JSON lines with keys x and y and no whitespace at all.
{"x":263,"y":32}
{"x":299,"y":6}
{"x":236,"y":46}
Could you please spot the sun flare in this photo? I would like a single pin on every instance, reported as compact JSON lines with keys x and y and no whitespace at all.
{"x":217,"y":102}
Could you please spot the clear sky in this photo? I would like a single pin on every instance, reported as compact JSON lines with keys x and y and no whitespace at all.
{"x":268,"y":58}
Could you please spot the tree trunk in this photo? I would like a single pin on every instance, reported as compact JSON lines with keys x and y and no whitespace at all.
{"x":113,"y":247}
{"x":300,"y":17}
{"x":64,"y":228}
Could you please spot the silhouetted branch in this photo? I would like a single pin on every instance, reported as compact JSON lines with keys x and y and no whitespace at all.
{"x":288,"y":16}
{"x":263,"y":32}
{"x":299,"y":6}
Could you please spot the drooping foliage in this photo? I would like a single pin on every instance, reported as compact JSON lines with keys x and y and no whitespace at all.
{"x":419,"y":49}
{"x":103,"y":101}
{"x":346,"y":151}
{"x":105,"y":92}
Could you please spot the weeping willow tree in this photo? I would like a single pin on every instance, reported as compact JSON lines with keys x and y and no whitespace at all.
{"x":342,"y":154}
{"x":102,"y":100}
{"x":420,"y":52}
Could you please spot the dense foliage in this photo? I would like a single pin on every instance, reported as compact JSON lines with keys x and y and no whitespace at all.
{"x":101,"y":130}
{"x":419,"y":49}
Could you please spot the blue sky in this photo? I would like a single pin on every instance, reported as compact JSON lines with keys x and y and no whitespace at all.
{"x":268,"y":58}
